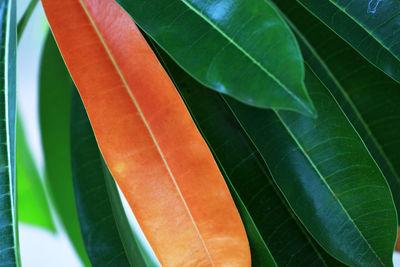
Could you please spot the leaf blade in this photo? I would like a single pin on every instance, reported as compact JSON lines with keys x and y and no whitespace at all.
{"x":33,"y":206}
{"x":97,"y":221}
{"x":306,"y":156}
{"x":206,"y":38}
{"x":54,"y":114}
{"x":9,"y":247}
{"x":129,"y":109}
{"x":359,"y":88}
{"x":373,"y":34}
{"x":238,"y":158}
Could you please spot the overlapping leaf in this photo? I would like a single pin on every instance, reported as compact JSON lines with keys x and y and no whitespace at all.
{"x":270,"y":223}
{"x":9,"y":253}
{"x":368,"y":97}
{"x":328,"y":176}
{"x":240,"y":48}
{"x":107,"y":234}
{"x":54,"y":104}
{"x":372,"y":27}
{"x":135,"y":107}
{"x":138,"y":251}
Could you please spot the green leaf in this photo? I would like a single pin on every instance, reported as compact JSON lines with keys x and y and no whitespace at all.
{"x":33,"y":206}
{"x":271,"y":225}
{"x":371,"y":27}
{"x":9,"y":248}
{"x":25,"y":18}
{"x":328,"y":177}
{"x":241,"y":48}
{"x":368,"y":97}
{"x":54,"y":108}
{"x":100,"y":210}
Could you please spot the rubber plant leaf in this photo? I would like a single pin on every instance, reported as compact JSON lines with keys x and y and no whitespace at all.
{"x":33,"y":205}
{"x":242,"y":48}
{"x":9,"y":251}
{"x":147,"y":137}
{"x":369,"y":26}
{"x":55,"y":88}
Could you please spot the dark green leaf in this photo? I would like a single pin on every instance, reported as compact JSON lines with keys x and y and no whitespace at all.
{"x":103,"y":221}
{"x":54,"y":104}
{"x":241,"y":48}
{"x":368,"y":97}
{"x":270,"y":223}
{"x":33,"y":207}
{"x":328,"y":177}
{"x":9,"y":252}
{"x":372,"y":27}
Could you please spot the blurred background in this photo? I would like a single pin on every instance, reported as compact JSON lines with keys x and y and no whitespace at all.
{"x":42,"y":246}
{"x":39,"y":247}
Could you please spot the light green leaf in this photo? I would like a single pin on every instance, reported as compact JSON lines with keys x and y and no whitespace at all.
{"x":9,"y":248}
{"x":242,"y":48}
{"x":33,"y":206}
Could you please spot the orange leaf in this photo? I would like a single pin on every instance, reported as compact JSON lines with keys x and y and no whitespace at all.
{"x":147,"y":137}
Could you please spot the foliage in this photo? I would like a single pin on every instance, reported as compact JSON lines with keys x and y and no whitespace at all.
{"x":297,"y":101}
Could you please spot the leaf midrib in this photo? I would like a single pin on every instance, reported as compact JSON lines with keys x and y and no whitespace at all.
{"x":325,"y":183}
{"x":292,"y":214}
{"x":352,"y":105}
{"x":347,"y":97}
{"x":260,"y":163}
{"x":253,"y":60}
{"x":359,"y":24}
{"x":12,"y":191}
{"x":126,"y":86}
{"x":315,"y":168}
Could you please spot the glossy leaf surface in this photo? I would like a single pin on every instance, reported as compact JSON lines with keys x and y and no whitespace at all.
{"x":9,"y":254}
{"x":372,"y":27}
{"x":241,"y":48}
{"x":147,"y":137}
{"x":368,"y":97}
{"x":33,"y":206}
{"x":270,"y":223}
{"x":328,"y":177}
{"x":54,"y":108}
